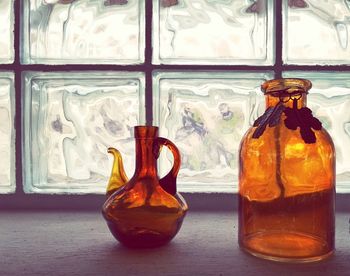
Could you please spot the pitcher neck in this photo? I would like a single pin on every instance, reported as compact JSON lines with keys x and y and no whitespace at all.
{"x":146,"y":158}
{"x":146,"y":150}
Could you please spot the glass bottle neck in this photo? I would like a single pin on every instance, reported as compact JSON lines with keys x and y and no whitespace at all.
{"x":146,"y":160}
{"x":272,"y":101}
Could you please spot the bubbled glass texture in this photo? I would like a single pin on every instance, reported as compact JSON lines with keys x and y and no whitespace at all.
{"x":213,"y":32}
{"x":6,"y":31}
{"x":70,"y":119}
{"x":7,"y":133}
{"x":206,"y":115}
{"x":316,"y":31}
{"x":83,"y":31}
{"x":329,"y":100}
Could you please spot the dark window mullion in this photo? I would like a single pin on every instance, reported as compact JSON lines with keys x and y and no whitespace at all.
{"x":136,"y":68}
{"x":148,"y":61}
{"x":278,"y":39}
{"x":16,"y":67}
{"x":82,"y":67}
{"x":193,"y":67}
{"x":336,"y":68}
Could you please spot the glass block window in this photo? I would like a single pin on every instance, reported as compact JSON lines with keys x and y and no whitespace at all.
{"x":70,"y":119}
{"x":84,"y":31}
{"x":6,"y":31}
{"x":213,"y":32}
{"x":316,"y":32}
{"x":206,"y":114}
{"x":77,"y":75}
{"x":7,"y":133}
{"x":330,"y":101}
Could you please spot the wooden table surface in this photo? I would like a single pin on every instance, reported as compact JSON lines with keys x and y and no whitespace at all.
{"x":79,"y":243}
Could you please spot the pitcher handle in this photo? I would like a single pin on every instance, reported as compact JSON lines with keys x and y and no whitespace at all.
{"x":168,"y":182}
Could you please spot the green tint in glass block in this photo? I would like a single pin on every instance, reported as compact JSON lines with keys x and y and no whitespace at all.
{"x":213,"y":32}
{"x":83,"y":32}
{"x":7,"y":133}
{"x":329,"y":100}
{"x":6,"y":31}
{"x":70,"y":119}
{"x":206,"y":114}
{"x":316,"y":32}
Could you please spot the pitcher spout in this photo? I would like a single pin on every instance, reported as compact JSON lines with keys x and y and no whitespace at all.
{"x":118,"y":177}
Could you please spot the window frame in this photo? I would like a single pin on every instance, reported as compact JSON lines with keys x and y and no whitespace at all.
{"x":19,"y":199}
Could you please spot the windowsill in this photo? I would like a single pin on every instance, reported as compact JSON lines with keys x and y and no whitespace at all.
{"x":79,"y":243}
{"x":216,"y":202}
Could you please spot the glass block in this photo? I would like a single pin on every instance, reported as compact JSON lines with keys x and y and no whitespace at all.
{"x":6,"y":31}
{"x":316,"y":32}
{"x":7,"y":133}
{"x":70,"y":119}
{"x":213,"y":32}
{"x":206,"y":114}
{"x":84,"y":31}
{"x":329,"y":100}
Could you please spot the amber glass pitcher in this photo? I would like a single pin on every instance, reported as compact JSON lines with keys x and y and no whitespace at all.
{"x":144,"y":211}
{"x":287,"y":179}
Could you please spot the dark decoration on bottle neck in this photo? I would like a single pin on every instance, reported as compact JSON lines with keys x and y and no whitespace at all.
{"x":271,"y":117}
{"x":295,"y":118}
{"x":303,"y":119}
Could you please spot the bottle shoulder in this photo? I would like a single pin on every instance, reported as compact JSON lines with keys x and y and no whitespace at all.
{"x":285,"y":136}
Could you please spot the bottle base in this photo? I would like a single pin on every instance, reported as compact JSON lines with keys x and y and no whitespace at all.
{"x":290,"y":247}
{"x":139,"y":238}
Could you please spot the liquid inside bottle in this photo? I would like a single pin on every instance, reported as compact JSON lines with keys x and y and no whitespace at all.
{"x":300,"y":227}
{"x":146,"y":227}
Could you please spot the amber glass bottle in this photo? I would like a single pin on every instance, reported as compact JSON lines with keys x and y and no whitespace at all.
{"x":287,"y":179}
{"x":144,"y":211}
